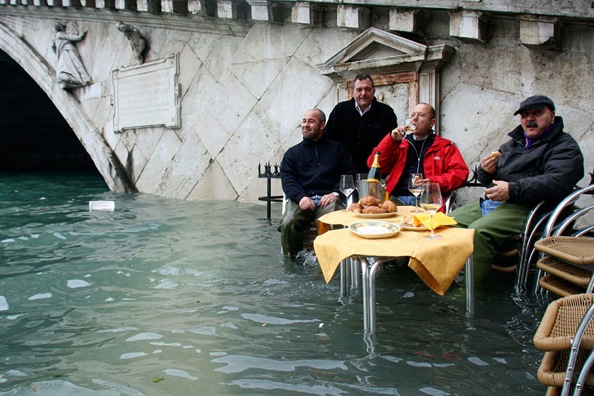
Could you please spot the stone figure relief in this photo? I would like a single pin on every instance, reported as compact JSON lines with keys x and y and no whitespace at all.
{"x":137,"y":41}
{"x":70,"y":72}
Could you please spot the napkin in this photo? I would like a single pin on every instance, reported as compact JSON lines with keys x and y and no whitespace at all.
{"x":439,"y":219}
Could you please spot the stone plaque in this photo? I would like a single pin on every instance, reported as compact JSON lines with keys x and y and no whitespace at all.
{"x":147,"y":95}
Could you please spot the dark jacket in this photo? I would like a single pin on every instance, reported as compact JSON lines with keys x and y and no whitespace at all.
{"x":314,"y":168}
{"x":360,"y":134}
{"x":548,"y":170}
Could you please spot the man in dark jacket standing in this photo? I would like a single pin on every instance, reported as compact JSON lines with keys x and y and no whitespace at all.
{"x":310,"y":175}
{"x":361,"y":122}
{"x":540,"y":162}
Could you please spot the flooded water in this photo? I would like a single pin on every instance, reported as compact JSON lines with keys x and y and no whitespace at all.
{"x":167,"y":297}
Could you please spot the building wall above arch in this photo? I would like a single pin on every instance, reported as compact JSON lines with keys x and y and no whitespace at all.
{"x":245,"y":83}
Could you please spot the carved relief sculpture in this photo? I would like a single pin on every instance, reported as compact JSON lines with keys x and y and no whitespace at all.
{"x":70,"y":72}
{"x":137,"y":41}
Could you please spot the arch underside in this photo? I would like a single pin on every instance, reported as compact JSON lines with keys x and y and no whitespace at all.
{"x":105,"y":160}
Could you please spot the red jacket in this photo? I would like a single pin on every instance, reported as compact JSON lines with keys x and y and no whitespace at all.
{"x":442,"y":162}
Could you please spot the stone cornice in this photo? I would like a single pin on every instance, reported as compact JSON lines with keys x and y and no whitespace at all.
{"x":580,"y":9}
{"x":287,"y":11}
{"x":191,"y":23}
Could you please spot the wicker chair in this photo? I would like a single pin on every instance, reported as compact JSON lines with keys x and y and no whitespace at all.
{"x":566,"y":335}
{"x":564,"y":262}
{"x":561,"y":267}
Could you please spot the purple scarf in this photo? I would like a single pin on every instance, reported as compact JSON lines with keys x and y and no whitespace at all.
{"x":529,"y":141}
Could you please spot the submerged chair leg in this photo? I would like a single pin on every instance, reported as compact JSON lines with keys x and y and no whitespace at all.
{"x":530,"y":234}
{"x":469,"y":280}
{"x":579,"y":386}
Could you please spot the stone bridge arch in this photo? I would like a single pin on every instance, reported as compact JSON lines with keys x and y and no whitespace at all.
{"x":37,"y":68}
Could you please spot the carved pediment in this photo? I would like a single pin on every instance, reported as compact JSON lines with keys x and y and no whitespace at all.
{"x":373,"y":49}
{"x":379,"y":52}
{"x":404,"y":72}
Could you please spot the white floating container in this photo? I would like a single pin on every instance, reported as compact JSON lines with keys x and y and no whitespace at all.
{"x":101,"y":205}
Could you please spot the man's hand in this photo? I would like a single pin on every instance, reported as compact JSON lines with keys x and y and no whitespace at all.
{"x":328,"y":199}
{"x":489,"y":163}
{"x":306,"y":203}
{"x":398,"y":134}
{"x":499,"y":191}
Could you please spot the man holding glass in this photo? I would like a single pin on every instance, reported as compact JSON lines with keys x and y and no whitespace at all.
{"x":539,"y":162}
{"x":413,"y":154}
{"x":310,"y":175}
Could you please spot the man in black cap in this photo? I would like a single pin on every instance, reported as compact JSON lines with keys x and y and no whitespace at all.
{"x":540,"y":162}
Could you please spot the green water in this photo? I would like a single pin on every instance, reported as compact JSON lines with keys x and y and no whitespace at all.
{"x":167,"y":297}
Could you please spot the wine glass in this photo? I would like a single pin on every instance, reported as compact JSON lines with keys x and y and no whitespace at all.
{"x":409,"y":126}
{"x":431,"y":201}
{"x":347,"y":186}
{"x":414,"y":186}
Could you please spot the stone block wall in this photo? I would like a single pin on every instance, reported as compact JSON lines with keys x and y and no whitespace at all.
{"x":245,"y":83}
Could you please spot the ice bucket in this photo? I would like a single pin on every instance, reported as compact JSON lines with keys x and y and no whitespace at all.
{"x":375,"y":188}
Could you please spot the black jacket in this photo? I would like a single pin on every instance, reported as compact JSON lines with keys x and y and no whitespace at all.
{"x":314,"y":168}
{"x":548,"y":170}
{"x":360,"y":134}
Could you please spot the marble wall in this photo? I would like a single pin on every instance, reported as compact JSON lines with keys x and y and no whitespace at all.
{"x":245,"y":86}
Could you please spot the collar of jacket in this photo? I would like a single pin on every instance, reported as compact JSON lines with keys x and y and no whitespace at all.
{"x":518,"y":133}
{"x":371,"y":110}
{"x":308,"y":142}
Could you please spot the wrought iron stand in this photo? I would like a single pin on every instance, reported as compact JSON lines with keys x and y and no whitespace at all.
{"x":269,"y":174}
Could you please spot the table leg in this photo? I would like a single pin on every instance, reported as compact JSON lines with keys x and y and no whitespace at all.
{"x":365,"y":284}
{"x":368,"y":273}
{"x":368,"y":280}
{"x":345,"y":277}
{"x":371,"y":279}
{"x":354,"y":273}
{"x":469,"y":276}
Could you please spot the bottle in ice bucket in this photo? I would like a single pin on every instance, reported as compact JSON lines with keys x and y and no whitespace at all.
{"x":374,"y":174}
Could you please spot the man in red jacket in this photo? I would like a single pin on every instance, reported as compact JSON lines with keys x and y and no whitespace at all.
{"x":422,"y":151}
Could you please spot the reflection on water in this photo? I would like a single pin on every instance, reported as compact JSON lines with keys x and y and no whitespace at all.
{"x":167,"y":297}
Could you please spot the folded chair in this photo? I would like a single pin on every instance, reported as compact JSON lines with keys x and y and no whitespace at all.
{"x":565,"y":251}
{"x":566,"y":335}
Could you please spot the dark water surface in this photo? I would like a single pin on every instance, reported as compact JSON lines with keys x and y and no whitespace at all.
{"x":167,"y":297}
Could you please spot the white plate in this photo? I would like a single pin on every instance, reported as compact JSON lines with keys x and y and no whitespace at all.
{"x":374,"y":229}
{"x":374,"y":215}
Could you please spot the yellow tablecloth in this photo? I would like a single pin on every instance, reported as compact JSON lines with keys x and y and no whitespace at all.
{"x":436,"y":261}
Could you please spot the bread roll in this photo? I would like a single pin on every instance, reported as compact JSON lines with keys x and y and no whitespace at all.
{"x":390,"y":206}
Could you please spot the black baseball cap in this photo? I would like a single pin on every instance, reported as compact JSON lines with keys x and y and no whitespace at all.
{"x":536,"y":102}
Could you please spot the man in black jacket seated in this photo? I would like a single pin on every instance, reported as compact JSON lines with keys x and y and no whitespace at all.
{"x":540,"y":162}
{"x":361,"y":122}
{"x":310,"y":175}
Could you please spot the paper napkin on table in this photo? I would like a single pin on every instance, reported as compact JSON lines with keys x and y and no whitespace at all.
{"x":439,"y":219}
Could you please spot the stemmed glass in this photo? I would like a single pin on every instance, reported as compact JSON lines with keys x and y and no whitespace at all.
{"x":347,"y":186}
{"x":409,"y":126}
{"x":414,"y":186}
{"x":431,"y":201}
